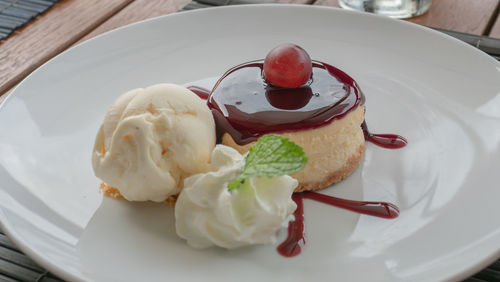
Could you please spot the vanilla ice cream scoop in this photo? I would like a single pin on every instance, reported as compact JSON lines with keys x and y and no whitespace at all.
{"x":151,"y":139}
{"x":207,"y":213}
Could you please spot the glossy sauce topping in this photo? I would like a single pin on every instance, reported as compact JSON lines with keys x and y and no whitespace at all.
{"x":296,"y":238}
{"x":295,"y":241}
{"x":389,"y":141}
{"x":246,"y":107}
{"x":203,"y":93}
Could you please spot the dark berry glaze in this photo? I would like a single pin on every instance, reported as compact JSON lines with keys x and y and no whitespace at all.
{"x":203,"y":93}
{"x":389,"y":141}
{"x":246,"y":107}
{"x":378,"y":209}
{"x":295,"y":240}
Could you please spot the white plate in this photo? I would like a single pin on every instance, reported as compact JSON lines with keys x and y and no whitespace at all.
{"x":441,"y":94}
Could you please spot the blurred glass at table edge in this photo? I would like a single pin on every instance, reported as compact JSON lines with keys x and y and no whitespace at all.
{"x":392,"y":8}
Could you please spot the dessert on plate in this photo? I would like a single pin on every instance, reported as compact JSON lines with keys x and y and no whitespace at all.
{"x":286,"y":124}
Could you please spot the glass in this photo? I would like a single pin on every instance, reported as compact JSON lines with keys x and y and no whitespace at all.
{"x":392,"y":8}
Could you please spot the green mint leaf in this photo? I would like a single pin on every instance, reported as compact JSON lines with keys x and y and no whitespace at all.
{"x":272,"y":156}
{"x":235,"y":184}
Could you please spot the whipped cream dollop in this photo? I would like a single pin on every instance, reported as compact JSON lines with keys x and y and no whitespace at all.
{"x":151,"y":139}
{"x":207,"y":213}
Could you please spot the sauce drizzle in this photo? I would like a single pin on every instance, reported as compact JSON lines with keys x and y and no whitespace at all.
{"x":203,"y":93}
{"x":389,"y":141}
{"x":295,"y":240}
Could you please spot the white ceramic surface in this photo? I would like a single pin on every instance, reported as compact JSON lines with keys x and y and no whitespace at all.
{"x":441,"y":94}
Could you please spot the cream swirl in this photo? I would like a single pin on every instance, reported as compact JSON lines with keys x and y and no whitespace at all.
{"x":207,"y":213}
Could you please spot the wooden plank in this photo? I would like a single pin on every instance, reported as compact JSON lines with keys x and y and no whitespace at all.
{"x":49,"y":34}
{"x":17,"y":272}
{"x":472,"y":279}
{"x":4,"y":240}
{"x":49,"y":277}
{"x":19,"y":259}
{"x":195,"y":5}
{"x":495,"y":30}
{"x":232,"y":2}
{"x":495,"y":265}
{"x":296,"y":1}
{"x":4,"y":278}
{"x":331,"y":3}
{"x":145,"y":9}
{"x":136,"y":11}
{"x":457,"y":15}
{"x":236,"y":2}
{"x":488,"y":275}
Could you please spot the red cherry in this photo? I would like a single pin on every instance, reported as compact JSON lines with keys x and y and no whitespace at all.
{"x":287,"y":66}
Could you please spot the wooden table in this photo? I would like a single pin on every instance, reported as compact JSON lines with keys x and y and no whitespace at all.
{"x":70,"y":22}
